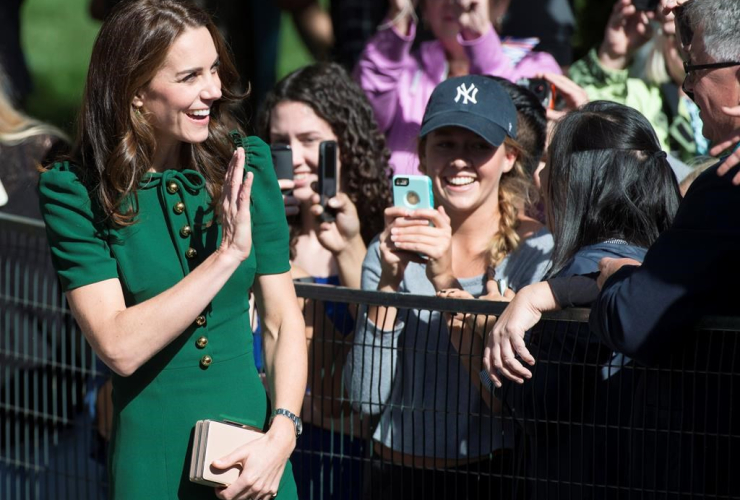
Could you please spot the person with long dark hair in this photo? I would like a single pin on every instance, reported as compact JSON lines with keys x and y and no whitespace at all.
{"x":319,"y":103}
{"x":609,"y":192}
{"x":158,"y":229}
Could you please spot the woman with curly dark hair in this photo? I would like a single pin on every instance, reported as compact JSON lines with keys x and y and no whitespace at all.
{"x":314,"y":104}
{"x":319,"y":103}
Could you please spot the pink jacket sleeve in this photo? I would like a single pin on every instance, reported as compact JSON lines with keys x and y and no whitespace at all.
{"x":487,"y":57}
{"x":382,"y":65}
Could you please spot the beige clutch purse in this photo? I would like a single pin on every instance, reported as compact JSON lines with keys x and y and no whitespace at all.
{"x":214,"y":440}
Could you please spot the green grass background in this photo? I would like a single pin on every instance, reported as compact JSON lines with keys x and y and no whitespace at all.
{"x":57,"y":38}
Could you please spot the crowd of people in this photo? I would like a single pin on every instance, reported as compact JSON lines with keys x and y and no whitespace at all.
{"x":554,"y":185}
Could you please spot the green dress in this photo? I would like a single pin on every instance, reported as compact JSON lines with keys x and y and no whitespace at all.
{"x":206,"y":372}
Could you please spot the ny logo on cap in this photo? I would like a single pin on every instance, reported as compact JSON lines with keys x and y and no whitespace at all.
{"x":468,"y":94}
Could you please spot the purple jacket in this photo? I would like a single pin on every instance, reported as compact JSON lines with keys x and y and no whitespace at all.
{"x":399,"y":83}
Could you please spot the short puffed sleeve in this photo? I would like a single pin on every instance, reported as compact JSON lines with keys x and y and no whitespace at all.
{"x":269,"y":226}
{"x":79,"y":250}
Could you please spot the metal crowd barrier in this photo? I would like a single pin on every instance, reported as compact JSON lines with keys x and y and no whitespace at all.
{"x":401,"y":415}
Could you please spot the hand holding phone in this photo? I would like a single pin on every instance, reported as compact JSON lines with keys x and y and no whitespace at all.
{"x":413,"y":192}
{"x":327,"y":178}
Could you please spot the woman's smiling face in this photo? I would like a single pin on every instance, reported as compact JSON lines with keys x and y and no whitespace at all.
{"x":296,"y":124}
{"x":465,"y":169}
{"x":178,"y":99}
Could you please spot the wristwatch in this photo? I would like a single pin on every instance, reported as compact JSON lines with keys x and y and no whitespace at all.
{"x":292,"y":416}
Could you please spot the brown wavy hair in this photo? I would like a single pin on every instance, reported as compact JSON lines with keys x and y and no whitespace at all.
{"x":330,"y":92}
{"x":515,"y":190}
{"x":116,"y":145}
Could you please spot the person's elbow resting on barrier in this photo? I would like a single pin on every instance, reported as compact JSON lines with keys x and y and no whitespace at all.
{"x":525,"y":311}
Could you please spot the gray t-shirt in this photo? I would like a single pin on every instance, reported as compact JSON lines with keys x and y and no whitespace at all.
{"x":413,"y":376}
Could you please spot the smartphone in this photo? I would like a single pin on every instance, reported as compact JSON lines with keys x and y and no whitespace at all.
{"x":412,"y":191}
{"x":282,"y":160}
{"x":542,"y":89}
{"x":647,"y":5}
{"x":327,"y":177}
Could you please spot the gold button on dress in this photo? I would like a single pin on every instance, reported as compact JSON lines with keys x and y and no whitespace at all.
{"x":206,"y":361}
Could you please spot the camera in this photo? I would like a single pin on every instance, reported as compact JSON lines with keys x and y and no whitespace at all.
{"x":542,"y":89}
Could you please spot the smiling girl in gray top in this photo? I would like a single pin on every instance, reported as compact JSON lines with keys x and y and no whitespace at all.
{"x":404,"y":366}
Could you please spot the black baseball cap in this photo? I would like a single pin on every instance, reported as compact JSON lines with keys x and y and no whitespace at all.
{"x":473,"y":102}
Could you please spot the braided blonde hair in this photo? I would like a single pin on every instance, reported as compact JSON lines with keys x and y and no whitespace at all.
{"x":516,"y":190}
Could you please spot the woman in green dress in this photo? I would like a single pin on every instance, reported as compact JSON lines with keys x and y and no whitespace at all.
{"x":158,"y":230}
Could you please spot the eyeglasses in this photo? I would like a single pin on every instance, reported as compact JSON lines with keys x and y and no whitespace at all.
{"x":688,"y":68}
{"x":691,"y":68}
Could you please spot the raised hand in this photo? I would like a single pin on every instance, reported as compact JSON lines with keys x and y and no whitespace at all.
{"x":336,"y":236}
{"x":396,"y":6}
{"x":628,"y":29}
{"x":235,"y":217}
{"x":401,"y":13}
{"x":670,"y":5}
{"x":574,"y":96}
{"x":475,"y":18}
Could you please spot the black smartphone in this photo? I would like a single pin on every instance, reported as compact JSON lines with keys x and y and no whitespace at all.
{"x":327,"y":177}
{"x":648,"y":5}
{"x":282,"y":160}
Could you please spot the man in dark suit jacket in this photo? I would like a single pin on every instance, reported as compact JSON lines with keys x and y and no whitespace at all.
{"x":649,"y":312}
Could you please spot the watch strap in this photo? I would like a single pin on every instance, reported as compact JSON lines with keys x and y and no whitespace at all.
{"x":297,"y":423}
